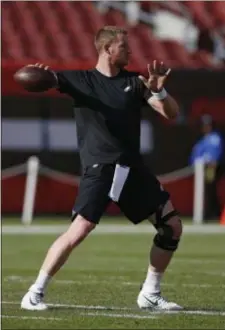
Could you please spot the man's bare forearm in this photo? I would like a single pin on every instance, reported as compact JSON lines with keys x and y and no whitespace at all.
{"x":168,"y":107}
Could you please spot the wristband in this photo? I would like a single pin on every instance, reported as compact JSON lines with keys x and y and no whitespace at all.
{"x":161,"y":95}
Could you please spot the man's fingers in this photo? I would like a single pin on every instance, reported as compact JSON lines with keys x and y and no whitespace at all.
{"x":40,"y":65}
{"x":151,"y":70}
{"x":154,"y":65}
{"x":162,"y":68}
{"x":167,"y":72}
{"x":158,"y":68}
{"x":143,"y":79}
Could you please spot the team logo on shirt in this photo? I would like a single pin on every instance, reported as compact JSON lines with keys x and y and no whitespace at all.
{"x":127,"y":89}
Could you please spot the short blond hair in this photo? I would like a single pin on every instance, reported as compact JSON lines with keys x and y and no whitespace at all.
{"x":106,"y":35}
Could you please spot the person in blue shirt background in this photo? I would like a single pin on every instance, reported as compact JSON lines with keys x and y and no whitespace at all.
{"x":210,"y":147}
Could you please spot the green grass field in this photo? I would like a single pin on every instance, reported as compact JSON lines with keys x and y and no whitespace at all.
{"x":98,"y":287}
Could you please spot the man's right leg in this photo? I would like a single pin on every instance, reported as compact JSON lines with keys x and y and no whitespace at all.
{"x":91,"y":202}
{"x":55,"y":259}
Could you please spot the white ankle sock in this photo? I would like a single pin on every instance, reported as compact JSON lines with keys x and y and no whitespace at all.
{"x":152,"y":282}
{"x":42,"y":281}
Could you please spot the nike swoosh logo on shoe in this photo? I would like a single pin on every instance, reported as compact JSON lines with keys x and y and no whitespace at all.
{"x":151,"y":302}
{"x":32,"y":303}
{"x":35,"y":303}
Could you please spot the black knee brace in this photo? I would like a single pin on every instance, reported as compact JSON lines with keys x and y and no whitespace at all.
{"x":164,"y":238}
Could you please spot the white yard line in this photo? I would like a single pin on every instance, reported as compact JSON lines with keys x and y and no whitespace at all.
{"x":130,"y":316}
{"x":71,"y":306}
{"x":194,"y":312}
{"x":21,"y":279}
{"x":213,"y":273}
{"x":30,"y":317}
{"x":111,"y":308}
{"x":108,"y":229}
{"x":198,"y":260}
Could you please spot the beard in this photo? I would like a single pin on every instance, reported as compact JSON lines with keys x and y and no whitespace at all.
{"x":119,"y":61}
{"x":121,"y":64}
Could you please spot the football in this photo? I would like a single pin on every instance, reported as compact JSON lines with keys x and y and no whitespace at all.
{"x":35,"y":79}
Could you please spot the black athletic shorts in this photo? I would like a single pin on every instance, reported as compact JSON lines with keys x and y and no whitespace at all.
{"x":135,"y":190}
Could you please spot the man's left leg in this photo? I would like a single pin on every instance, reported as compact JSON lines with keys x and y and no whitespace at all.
{"x":166,"y":241}
{"x":141,"y":196}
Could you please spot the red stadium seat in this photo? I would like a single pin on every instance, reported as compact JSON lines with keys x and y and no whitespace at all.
{"x":147,"y":5}
{"x":217,"y":10}
{"x":178,"y":54}
{"x":200,"y":15}
{"x":203,"y":59}
{"x":10,"y":37}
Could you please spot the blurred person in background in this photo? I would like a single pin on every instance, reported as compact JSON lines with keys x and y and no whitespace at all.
{"x":210,"y":148}
{"x":212,"y":42}
{"x":206,"y":40}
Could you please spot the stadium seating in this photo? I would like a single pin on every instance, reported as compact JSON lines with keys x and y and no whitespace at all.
{"x":63,"y":30}
{"x":202,"y":18}
{"x":207,"y":14}
{"x":218,"y":10}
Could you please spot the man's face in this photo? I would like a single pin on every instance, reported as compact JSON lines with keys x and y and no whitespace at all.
{"x":119,"y":51}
